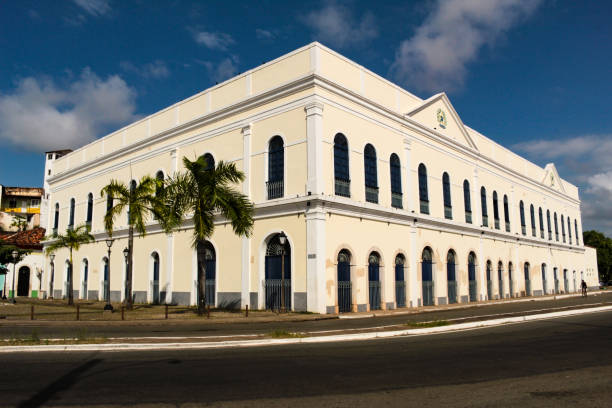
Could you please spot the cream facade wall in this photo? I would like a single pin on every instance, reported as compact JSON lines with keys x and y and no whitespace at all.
{"x":307,"y":97}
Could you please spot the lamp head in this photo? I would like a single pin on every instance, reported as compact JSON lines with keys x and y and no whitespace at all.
{"x":109,"y":242}
{"x":282,"y":238}
{"x":126,"y":252}
{"x":14,"y":253}
{"x":52,"y":257}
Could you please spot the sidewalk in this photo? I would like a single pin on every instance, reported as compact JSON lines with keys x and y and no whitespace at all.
{"x":389,"y":325}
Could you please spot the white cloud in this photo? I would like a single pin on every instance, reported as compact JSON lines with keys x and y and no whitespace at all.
{"x":262,"y":34}
{"x":585,"y":162}
{"x":156,"y":69}
{"x":94,"y":7}
{"x":335,"y":24}
{"x":214,"y":41}
{"x":40,"y":115}
{"x":222,"y":70}
{"x":436,"y":56}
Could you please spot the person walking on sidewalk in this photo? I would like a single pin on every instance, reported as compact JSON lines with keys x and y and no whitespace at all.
{"x":583,"y":285}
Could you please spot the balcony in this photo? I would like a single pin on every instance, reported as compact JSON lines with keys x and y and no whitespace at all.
{"x":448,"y":212}
{"x":22,"y":210}
{"x":275,"y":189}
{"x":396,"y":200}
{"x":468,"y":217}
{"x":371,"y":194}
{"x":424,"y":206}
{"x":507,"y":226}
{"x":343,"y":187}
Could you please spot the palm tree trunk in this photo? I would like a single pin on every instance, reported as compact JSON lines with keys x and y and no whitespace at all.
{"x":201,"y":288}
{"x":71,"y":272}
{"x":128,"y":275}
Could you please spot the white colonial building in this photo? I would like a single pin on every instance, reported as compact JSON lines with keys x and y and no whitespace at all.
{"x":387,"y":200}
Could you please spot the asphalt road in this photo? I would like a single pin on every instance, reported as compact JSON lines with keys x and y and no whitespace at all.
{"x":551,"y":363}
{"x":204,"y":327}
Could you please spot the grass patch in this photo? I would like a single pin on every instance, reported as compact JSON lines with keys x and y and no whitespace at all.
{"x":435,"y":323}
{"x":283,"y":334}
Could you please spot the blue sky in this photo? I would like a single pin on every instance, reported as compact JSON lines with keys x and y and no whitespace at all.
{"x":532,"y":75}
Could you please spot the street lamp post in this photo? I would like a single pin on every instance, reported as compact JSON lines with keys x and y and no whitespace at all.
{"x":51,"y":257}
{"x":126,"y":252}
{"x":15,"y":254}
{"x":108,"y":306}
{"x":282,"y":238}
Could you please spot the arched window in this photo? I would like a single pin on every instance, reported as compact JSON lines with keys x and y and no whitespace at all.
{"x":56,"y":219}
{"x":495,"y":210}
{"x":276,"y":168}
{"x":341,"y":166}
{"x":467,"y":202}
{"x":556,"y":227}
{"x":472,"y":277}
{"x":510,"y":283}
{"x":400,"y":284}
{"x":85,"y":279}
{"x":541,"y":223}
{"x":500,"y":277}
{"x":544,"y":288}
{"x":563,"y":227}
{"x":522,"y":210}
{"x":451,"y":277}
{"x":483,"y":205}
{"x":576,"y":229}
{"x":423,"y":194}
{"x":446,"y":191}
{"x":71,"y":218}
{"x":206,"y":257}
{"x":533,"y":223}
{"x":371,"y":176}
{"x":506,"y":214}
{"x":374,"y":280}
{"x":489,"y":270}
{"x":526,"y":272}
{"x":549,"y":225}
{"x":396,"y":181}
{"x":427,"y":277}
{"x":569,"y":230}
{"x":155,"y":298}
{"x":89,"y":210}
{"x":210,"y":161}
{"x":344,"y":281}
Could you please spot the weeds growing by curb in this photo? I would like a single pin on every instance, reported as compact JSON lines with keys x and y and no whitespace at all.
{"x":284,"y":334}
{"x":434,"y":323}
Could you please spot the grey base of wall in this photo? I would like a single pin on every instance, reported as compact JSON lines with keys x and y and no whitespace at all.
{"x":139,"y":296}
{"x":390,"y":305}
{"x":115,"y":295}
{"x":537,"y":293}
{"x":57,"y":294}
{"x":181,"y":298}
{"x":299,"y":301}
{"x":330,"y":309}
{"x":465,"y":299}
{"x":362,"y":308}
{"x":92,"y":295}
{"x":253,"y":298}
{"x":442,"y":301}
{"x":229,"y":300}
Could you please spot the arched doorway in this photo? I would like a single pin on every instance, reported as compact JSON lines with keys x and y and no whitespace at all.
{"x":510,"y":283}
{"x":274,"y":273}
{"x":206,"y":265}
{"x":500,"y":277}
{"x":489,"y":280}
{"x":85,"y":279}
{"x":544,"y":288}
{"x":374,"y":280}
{"x":155,"y":278}
{"x":344,"y":282}
{"x":427,"y":277}
{"x":565,"y":281}
{"x":451,"y":277}
{"x":527,"y":279}
{"x":556,"y":278}
{"x":105,"y":281}
{"x":574,"y":278}
{"x":23,"y":283}
{"x":400,"y":282}
{"x":472,"y":277}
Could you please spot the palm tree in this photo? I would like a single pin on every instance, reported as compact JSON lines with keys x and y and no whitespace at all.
{"x":202,"y":192}
{"x":74,"y":238}
{"x":140,"y":201}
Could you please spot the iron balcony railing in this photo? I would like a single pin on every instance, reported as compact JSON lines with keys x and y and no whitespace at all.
{"x":424,"y":206}
{"x":448,"y":212}
{"x":374,"y":295}
{"x":343,"y":187}
{"x":533,"y":231}
{"x":275,"y":189}
{"x":400,"y":293}
{"x":496,"y":223}
{"x":523,"y":230}
{"x":273,"y":294}
{"x":507,"y":226}
{"x":344,"y":296}
{"x":452,"y":291}
{"x":473,"y":296}
{"x":428,"y":293}
{"x":371,"y":194}
{"x":485,"y":220}
{"x":468,"y":217}
{"x":88,"y":226}
{"x":396,"y":200}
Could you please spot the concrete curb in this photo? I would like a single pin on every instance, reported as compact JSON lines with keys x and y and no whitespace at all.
{"x":315,"y":339}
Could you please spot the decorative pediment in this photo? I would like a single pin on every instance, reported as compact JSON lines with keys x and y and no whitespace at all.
{"x":551,"y":178}
{"x":438,"y":113}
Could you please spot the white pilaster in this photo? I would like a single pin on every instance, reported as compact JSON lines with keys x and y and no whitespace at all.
{"x":169,"y":266}
{"x":316,"y":299}
{"x":314,"y":141}
{"x":414,"y":290}
{"x":407,"y":179}
{"x":246,"y":242}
